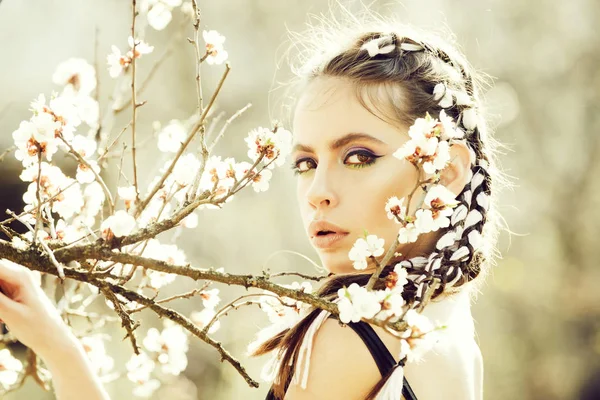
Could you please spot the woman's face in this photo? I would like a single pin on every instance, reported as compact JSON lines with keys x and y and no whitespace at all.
{"x":347,"y":172}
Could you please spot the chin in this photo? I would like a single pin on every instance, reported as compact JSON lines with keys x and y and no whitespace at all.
{"x":336,"y":262}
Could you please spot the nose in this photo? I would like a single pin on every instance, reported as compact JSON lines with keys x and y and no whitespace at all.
{"x":321,"y":193}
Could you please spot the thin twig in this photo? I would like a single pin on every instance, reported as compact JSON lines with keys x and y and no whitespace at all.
{"x":61,"y":191}
{"x":113,"y":142}
{"x":287,"y":273}
{"x":126,"y":320}
{"x":196,"y":44}
{"x":59,"y":267}
{"x":197,"y":127}
{"x":227,"y":123}
{"x":186,"y":295}
{"x":134,"y":105}
{"x":97,"y":176}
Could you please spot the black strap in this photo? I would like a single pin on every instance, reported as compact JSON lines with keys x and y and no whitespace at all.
{"x":382,"y":356}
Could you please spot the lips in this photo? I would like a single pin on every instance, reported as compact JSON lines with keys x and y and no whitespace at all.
{"x":324,"y":234}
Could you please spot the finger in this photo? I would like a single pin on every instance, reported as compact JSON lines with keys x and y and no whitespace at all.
{"x":11,"y":272}
{"x":8,"y":308}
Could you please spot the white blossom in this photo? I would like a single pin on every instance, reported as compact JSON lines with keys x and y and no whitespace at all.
{"x":408,"y":233}
{"x":365,"y":248}
{"x":191,"y":221}
{"x":395,"y":209}
{"x":128,"y":194}
{"x":438,"y":203}
{"x":391,"y":302}
{"x":170,"y":346}
{"x":188,"y":9}
{"x":171,"y":137}
{"x":401,"y":275}
{"x":214,"y":47}
{"x":210,"y":298}
{"x":203,"y":318}
{"x":169,"y":253}
{"x":84,"y":146}
{"x":357,"y":302}
{"x":120,"y":224}
{"x":185,"y":169}
{"x":429,"y":144}
{"x":418,"y":338}
{"x":139,"y":370}
{"x":85,"y":173}
{"x":117,"y":62}
{"x":273,"y":145}
{"x":76,"y":74}
{"x":141,"y":47}
{"x":260,"y":181}
{"x":159,"y":12}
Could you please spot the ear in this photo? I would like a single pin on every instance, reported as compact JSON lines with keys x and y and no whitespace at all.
{"x":454,"y":176}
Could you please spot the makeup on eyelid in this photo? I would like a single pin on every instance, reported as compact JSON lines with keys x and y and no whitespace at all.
{"x":361,"y":151}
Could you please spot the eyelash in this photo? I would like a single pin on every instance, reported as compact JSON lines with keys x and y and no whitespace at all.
{"x":364,"y":153}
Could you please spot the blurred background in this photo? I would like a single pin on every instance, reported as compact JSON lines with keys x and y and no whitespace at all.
{"x":538,"y":316}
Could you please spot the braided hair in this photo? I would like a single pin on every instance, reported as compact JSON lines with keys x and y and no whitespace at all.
{"x":418,"y":73}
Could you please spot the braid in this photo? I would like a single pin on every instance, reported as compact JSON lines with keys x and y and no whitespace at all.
{"x":457,"y":258}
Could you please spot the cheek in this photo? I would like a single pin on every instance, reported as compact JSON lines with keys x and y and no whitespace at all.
{"x":301,"y":190}
{"x":373,"y":196}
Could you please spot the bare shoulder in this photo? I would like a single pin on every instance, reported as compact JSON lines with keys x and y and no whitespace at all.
{"x":456,"y":367}
{"x":341,"y":366}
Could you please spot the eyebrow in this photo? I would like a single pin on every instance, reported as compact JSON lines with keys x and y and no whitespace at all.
{"x":341,"y":142}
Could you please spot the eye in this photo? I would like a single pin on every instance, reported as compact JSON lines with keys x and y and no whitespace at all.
{"x":360,"y":158}
{"x":303,"y":165}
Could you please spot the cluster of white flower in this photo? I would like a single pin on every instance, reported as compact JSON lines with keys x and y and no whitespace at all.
{"x":430,"y":141}
{"x":139,"y":370}
{"x":40,"y":135}
{"x":356,"y":302}
{"x":166,"y":349}
{"x":219,"y":176}
{"x":215,"y":53}
{"x":419,"y":338}
{"x":273,"y":144}
{"x":78,"y":78}
{"x":372,"y":246}
{"x":118,"y":62}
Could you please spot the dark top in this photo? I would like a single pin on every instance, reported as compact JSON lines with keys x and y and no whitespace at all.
{"x":383,"y":358}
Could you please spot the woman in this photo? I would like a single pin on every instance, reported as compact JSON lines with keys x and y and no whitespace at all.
{"x":361,"y":94}
{"x":362,"y":89}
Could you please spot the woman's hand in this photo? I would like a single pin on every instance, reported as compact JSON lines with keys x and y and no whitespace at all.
{"x":28,"y":312}
{"x":33,"y":319}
